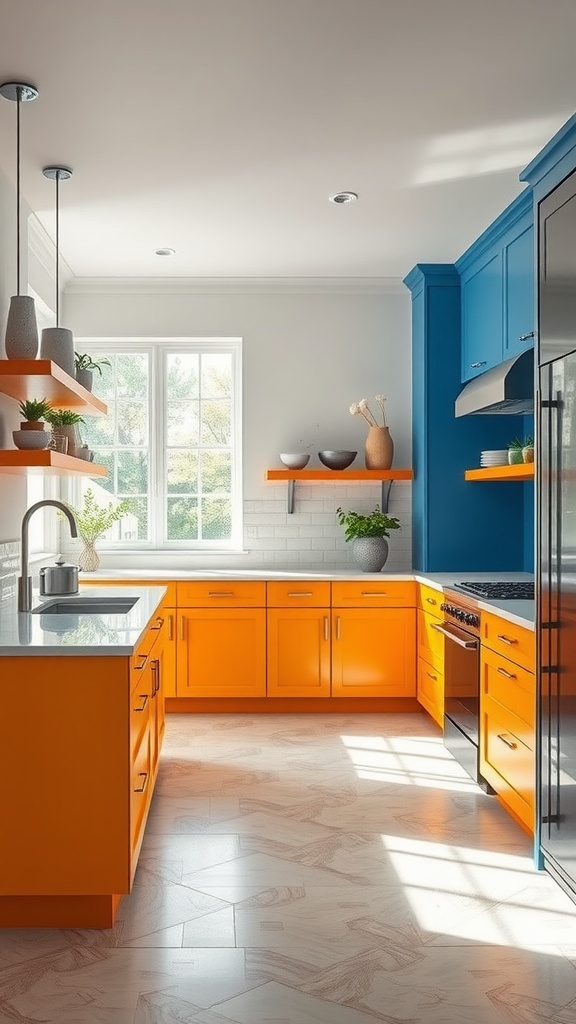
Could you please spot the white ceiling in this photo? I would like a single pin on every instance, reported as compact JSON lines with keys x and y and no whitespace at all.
{"x":220,"y":127}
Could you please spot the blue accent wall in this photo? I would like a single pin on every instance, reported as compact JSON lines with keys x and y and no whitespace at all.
{"x":458,"y":525}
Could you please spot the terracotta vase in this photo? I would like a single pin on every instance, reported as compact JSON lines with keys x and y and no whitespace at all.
{"x":379,"y":448}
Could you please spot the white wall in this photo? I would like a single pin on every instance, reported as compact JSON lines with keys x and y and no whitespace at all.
{"x":310,"y":349}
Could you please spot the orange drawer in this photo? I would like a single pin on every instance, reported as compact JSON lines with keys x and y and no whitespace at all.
{"x":509,"y":640}
{"x":140,"y":784}
{"x":507,"y":759}
{"x":300,"y":594}
{"x":374,"y":594}
{"x":509,"y":685}
{"x":140,"y":709}
{"x":429,"y":600}
{"x":169,"y":598}
{"x":430,"y":691}
{"x":430,"y":641}
{"x":222,"y":594}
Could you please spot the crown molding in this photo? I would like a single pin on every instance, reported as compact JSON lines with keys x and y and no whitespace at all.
{"x":42,"y":247}
{"x":235,"y":286}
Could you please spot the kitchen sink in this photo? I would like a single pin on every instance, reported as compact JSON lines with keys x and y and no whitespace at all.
{"x":87,"y":606}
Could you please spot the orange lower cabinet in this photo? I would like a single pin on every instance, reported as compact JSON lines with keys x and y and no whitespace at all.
{"x":430,"y":692}
{"x":298,"y":652}
{"x":373,"y":652}
{"x":169,"y":653}
{"x":221,"y":652}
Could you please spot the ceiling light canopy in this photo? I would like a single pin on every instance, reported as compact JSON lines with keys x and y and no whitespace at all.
{"x":343,"y":197}
{"x":165,"y":252}
{"x":21,"y":341}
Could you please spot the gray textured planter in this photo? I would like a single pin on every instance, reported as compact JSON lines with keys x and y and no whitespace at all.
{"x":370,"y":553}
{"x":85,"y":378}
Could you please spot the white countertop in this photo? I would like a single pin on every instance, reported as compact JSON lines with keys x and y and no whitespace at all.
{"x":34,"y":634}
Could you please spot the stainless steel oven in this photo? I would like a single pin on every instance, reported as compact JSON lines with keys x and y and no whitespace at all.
{"x":461,"y":632}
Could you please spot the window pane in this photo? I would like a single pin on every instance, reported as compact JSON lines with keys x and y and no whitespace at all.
{"x":216,"y":375}
{"x":182,"y":473}
{"x":132,"y":375}
{"x":216,"y":519}
{"x":132,"y":420}
{"x":216,"y":423}
{"x":103,"y":384}
{"x":182,"y":519}
{"x":182,"y":424}
{"x":216,"y":472}
{"x":99,"y":430}
{"x":183,"y":376}
{"x":107,"y":459}
{"x":134,"y":526}
{"x":132,"y":472}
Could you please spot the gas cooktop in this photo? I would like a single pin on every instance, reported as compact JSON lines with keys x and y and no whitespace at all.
{"x":498,"y":591}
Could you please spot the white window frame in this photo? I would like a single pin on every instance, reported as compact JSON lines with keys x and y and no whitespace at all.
{"x":157,"y":350}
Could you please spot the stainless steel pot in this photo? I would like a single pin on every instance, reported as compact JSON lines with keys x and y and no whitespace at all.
{"x":59,"y":578}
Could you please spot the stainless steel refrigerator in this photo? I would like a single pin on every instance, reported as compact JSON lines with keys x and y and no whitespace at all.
{"x":556,"y":533}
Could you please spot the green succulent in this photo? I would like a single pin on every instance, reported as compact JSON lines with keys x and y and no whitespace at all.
{"x":63,"y":417}
{"x":35,"y":409}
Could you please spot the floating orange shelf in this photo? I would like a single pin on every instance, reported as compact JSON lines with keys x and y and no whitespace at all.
{"x":339,"y":474}
{"x":47,"y":461}
{"x":523,"y":471}
{"x":25,"y":379}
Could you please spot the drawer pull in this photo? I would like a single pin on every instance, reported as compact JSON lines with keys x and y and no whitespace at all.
{"x":524,"y":337}
{"x":431,"y":675}
{"x":474,"y":366}
{"x":220,"y":593}
{"x":503,"y":672}
{"x":337,"y":627}
{"x":170,"y":627}
{"x":326,"y":628}
{"x":431,"y":600}
{"x":143,"y":660}
{"x":182,"y":628}
{"x":510,"y":640}
{"x":374,"y":593}
{"x":155,"y":667}
{"x":142,"y":775}
{"x":144,"y":697}
{"x":160,"y":622}
{"x":508,"y":743}
{"x":299,"y":593}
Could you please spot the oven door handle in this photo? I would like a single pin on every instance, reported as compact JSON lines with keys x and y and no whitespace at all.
{"x":469,"y":645}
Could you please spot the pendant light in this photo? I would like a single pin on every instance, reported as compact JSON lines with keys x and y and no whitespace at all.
{"x":58,"y":342}
{"x":21,"y":340}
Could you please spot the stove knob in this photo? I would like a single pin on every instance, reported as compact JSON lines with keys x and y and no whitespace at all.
{"x":460,"y":616}
{"x":443,"y":607}
{"x":470,"y":619}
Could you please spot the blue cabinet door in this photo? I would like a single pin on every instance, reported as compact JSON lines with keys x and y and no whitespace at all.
{"x":519,"y":279}
{"x":482,"y":315}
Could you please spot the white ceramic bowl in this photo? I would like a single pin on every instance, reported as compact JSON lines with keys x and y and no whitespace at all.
{"x":36,"y":439}
{"x":296,"y":460}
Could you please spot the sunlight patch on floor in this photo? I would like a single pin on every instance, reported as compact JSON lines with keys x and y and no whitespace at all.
{"x":407,"y":761}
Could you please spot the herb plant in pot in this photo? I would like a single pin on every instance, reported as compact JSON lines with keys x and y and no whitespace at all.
{"x":84,"y":366}
{"x":32,"y":434}
{"x":369,"y":534}
{"x":92,"y":520}
{"x":64,"y":423}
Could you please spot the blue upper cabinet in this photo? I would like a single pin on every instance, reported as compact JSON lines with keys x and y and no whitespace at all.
{"x":497,"y":278}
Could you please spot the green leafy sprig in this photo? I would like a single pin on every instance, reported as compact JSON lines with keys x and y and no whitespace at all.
{"x":93,"y":519}
{"x":376,"y":524}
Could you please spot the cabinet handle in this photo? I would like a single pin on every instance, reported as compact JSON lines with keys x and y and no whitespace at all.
{"x":182,"y":628}
{"x":326,"y":628}
{"x":524,"y":337}
{"x":143,"y":659}
{"x":503,"y":672}
{"x":144,"y":697}
{"x":299,"y":593}
{"x":374,"y":593}
{"x":170,"y":627}
{"x":474,"y":366}
{"x":432,"y":676}
{"x":160,"y":622}
{"x":431,"y":600}
{"x":337,"y":627}
{"x":510,"y":640}
{"x":142,"y":775}
{"x":509,"y":743}
{"x":220,"y":593}
{"x":155,"y":667}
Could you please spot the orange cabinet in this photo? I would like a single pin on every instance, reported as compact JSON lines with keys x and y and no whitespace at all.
{"x":298,"y":652}
{"x":507,"y":719}
{"x":373,"y":652}
{"x":430,"y":689}
{"x":510,"y":640}
{"x":221,"y":652}
{"x":430,"y":653}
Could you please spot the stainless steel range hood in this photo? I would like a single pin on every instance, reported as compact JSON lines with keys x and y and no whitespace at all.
{"x":507,"y":389}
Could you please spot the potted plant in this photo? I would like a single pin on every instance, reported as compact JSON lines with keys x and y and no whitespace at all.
{"x":85,"y":366}
{"x":528,"y":449}
{"x":33,"y":413}
{"x":92,"y":520}
{"x":369,"y":534}
{"x":64,"y":423}
{"x":516,"y":450}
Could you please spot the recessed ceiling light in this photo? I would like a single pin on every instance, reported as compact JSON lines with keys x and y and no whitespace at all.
{"x":343,"y":197}
{"x":165,"y":252}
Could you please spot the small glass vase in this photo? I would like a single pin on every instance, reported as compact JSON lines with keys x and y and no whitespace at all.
{"x":88,"y":559}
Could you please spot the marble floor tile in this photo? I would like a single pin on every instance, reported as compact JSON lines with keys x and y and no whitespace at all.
{"x":326,"y":869}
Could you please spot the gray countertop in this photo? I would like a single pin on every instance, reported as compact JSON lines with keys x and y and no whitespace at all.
{"x":33,"y":634}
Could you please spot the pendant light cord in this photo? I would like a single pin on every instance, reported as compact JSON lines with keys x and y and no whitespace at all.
{"x":57,"y":248}
{"x":18,"y":104}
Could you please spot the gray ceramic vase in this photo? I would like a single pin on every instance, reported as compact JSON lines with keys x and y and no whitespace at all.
{"x":57,"y":344}
{"x":370,"y":553}
{"x":21,"y":329}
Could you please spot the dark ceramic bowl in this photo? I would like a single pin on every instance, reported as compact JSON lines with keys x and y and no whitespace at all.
{"x":337,"y":460}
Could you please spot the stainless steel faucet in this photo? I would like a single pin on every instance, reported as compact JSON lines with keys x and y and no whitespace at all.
{"x":25,"y":581}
